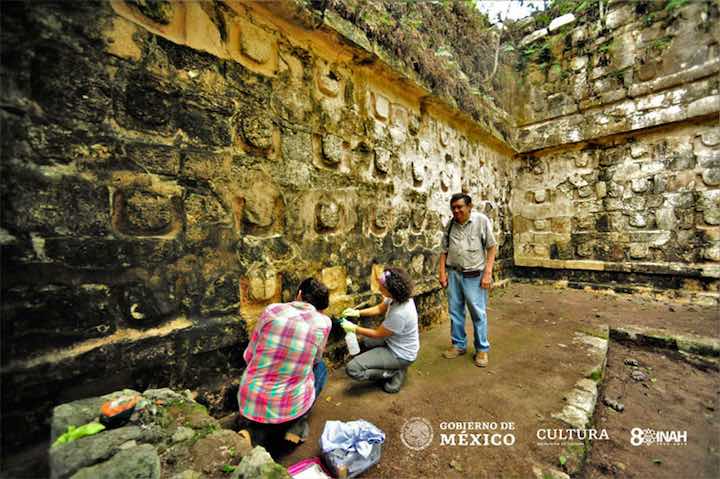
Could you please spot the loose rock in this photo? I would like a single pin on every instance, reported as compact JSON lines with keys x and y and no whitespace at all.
{"x":618,"y":406}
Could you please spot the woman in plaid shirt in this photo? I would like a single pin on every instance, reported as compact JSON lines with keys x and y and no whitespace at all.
{"x":285,"y":371}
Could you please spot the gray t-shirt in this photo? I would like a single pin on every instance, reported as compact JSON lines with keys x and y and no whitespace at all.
{"x":466,"y":244}
{"x":402,"y":320}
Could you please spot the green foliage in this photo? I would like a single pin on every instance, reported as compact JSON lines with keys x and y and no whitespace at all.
{"x":582,"y":6}
{"x":662,"y":43}
{"x":562,"y":460}
{"x":620,"y":76}
{"x":563,"y":6}
{"x":449,"y":44}
{"x":675,"y":4}
{"x":227,"y":469}
{"x":556,"y":69}
{"x":542,"y":20}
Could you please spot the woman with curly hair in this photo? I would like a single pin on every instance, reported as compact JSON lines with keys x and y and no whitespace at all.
{"x":396,"y":342}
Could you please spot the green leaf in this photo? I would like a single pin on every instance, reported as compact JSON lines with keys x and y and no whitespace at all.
{"x":562,"y":460}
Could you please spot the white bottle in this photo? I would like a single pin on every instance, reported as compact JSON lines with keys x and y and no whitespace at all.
{"x":352,"y":343}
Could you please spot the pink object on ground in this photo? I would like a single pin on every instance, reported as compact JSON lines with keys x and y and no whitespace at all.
{"x":311,"y":468}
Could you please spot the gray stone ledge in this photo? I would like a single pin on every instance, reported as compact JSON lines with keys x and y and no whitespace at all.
{"x":689,"y":270}
{"x":687,"y":343}
{"x":686,"y":76}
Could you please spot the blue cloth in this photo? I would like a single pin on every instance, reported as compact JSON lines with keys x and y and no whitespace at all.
{"x":354,"y":436}
{"x":320,"y":372}
{"x":467,"y":291}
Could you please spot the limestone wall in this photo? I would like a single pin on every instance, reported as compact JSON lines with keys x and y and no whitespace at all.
{"x":618,"y":171}
{"x":169,"y":169}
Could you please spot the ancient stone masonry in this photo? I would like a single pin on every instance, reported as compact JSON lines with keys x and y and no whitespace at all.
{"x":618,"y":135}
{"x":171,"y":168}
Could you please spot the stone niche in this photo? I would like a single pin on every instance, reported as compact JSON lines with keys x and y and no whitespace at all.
{"x":144,"y":212}
{"x":382,"y":220}
{"x":382,"y":162}
{"x":315,"y":214}
{"x":258,"y":131}
{"x":329,"y":91}
{"x":333,"y":150}
{"x":335,"y":278}
{"x":260,"y":287}
{"x":328,"y":215}
{"x":258,"y":206}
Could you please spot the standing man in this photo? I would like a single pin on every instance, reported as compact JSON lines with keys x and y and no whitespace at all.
{"x":466,"y":266}
{"x":285,"y":371}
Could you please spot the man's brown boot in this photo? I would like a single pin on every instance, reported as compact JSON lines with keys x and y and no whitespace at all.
{"x":481,"y":359}
{"x":453,"y":353}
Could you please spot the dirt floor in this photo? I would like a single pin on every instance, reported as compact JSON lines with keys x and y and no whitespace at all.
{"x":534,"y":361}
{"x":533,"y":364}
{"x":675,"y":396}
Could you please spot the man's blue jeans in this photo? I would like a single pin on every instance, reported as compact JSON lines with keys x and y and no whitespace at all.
{"x":464,"y":291}
{"x":321,"y":373}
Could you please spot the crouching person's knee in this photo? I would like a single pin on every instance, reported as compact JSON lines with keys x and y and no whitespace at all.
{"x":353,"y":369}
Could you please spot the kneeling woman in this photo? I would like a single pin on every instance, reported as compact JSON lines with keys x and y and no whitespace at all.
{"x":396,"y":342}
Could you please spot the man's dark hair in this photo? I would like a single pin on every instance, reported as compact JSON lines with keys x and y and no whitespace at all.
{"x":461,"y":196}
{"x":399,"y":284}
{"x":315,"y":293}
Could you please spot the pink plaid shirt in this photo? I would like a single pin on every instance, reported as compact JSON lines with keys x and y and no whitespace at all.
{"x":278,"y":383}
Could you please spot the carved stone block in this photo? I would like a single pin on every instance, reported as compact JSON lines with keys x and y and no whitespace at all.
{"x":418,"y":171}
{"x":145,"y":213}
{"x":413,"y":124}
{"x":382,"y":160}
{"x":444,"y":135}
{"x":418,"y":217}
{"x":335,"y":278}
{"x":381,"y":218}
{"x":328,"y":81}
{"x":445,"y":180}
{"x":416,"y":264}
{"x":332,"y":148}
{"x":327,"y":214}
{"x":258,"y":131}
{"x":256,"y":43}
{"x":261,"y":286}
{"x":381,"y":106}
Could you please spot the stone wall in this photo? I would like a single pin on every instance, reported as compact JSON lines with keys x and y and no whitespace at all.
{"x":618,"y":170}
{"x":169,"y":169}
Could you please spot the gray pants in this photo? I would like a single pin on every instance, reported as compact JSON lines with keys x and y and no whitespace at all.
{"x":376,"y":363}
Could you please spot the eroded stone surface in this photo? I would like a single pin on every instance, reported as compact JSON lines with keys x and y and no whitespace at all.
{"x":191,"y":441}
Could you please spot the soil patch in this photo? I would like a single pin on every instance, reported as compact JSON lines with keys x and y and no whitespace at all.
{"x":675,"y":396}
{"x":534,"y":363}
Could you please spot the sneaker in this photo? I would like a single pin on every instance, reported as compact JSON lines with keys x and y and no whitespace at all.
{"x":453,"y":352}
{"x":394,"y":384}
{"x":298,"y":432}
{"x":481,"y":359}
